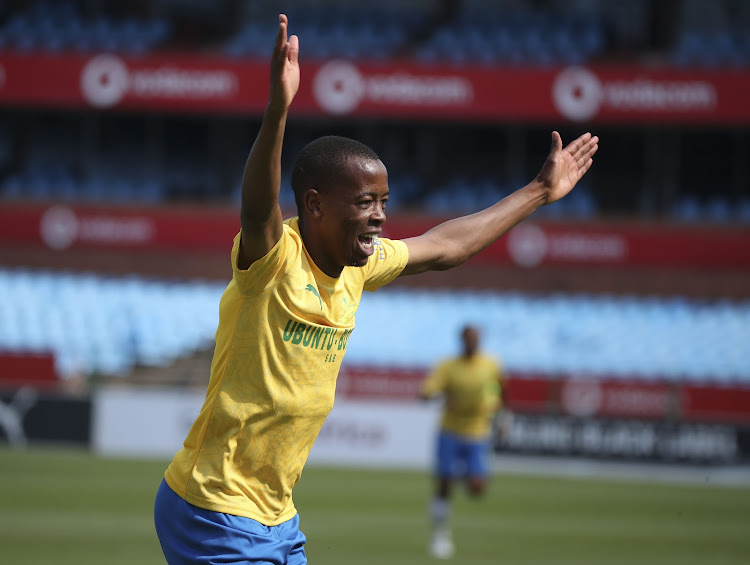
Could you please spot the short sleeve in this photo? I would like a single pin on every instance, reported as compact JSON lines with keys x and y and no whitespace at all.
{"x":386,"y":263}
{"x":499,"y":368}
{"x":267,"y":270}
{"x":435,"y":381}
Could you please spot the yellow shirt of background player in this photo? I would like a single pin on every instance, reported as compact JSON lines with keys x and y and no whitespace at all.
{"x":472,"y":393}
{"x":283,"y":331}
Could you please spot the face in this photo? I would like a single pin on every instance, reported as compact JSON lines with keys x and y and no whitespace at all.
{"x":470,"y":337}
{"x":353,"y":213}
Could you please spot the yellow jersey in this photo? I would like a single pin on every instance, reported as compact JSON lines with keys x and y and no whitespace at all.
{"x":282,"y":333}
{"x":471,"y":387}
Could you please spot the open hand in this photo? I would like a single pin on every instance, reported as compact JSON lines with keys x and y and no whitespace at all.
{"x":284,"y":67}
{"x":565,"y":167}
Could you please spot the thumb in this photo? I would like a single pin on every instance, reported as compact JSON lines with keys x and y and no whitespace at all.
{"x":556,"y":143}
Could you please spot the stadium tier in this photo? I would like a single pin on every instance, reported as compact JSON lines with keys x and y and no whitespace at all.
{"x":169,"y":137}
{"x":379,"y":36}
{"x":440,"y":88}
{"x":97,"y":325}
{"x":509,"y":32}
{"x":108,"y":325}
{"x":53,"y":168}
{"x":60,"y":26}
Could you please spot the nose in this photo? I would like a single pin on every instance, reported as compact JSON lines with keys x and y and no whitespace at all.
{"x":378,"y":213}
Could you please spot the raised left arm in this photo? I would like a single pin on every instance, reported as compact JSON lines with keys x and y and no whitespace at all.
{"x":453,"y":242}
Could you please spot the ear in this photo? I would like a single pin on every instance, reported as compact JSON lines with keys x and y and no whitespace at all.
{"x":313,"y":204}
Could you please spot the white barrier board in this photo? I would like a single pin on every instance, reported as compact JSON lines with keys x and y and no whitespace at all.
{"x":378,"y":434}
{"x":142,"y":421}
{"x":155,"y":422}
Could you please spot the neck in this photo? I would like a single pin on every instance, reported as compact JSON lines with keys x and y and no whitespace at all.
{"x":315,"y":251}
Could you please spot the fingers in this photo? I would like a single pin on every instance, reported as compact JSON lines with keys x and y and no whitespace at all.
{"x":583,"y":169}
{"x":576,"y":144}
{"x":583,"y":147}
{"x":281,"y":35}
{"x":592,"y":147}
{"x":586,"y":152}
{"x":294,"y":49}
{"x":283,"y":48}
{"x":583,"y":166}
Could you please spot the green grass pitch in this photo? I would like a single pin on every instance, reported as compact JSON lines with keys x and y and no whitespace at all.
{"x":69,"y":507}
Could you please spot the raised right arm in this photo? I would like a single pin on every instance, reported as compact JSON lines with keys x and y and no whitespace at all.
{"x":260,"y":216}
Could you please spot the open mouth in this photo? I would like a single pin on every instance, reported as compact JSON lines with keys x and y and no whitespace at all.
{"x":366,"y":242}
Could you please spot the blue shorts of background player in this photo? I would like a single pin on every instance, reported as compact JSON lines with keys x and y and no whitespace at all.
{"x":462,"y":457}
{"x":193,"y":536}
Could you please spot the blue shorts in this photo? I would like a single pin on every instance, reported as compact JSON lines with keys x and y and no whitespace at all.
{"x":458,"y":456}
{"x":191,"y":535}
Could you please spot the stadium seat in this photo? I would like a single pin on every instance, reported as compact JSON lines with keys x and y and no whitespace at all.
{"x":107,"y":325}
{"x":58,"y":26}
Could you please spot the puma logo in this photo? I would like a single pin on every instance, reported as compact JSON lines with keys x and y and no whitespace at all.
{"x":12,"y":413}
{"x":314,"y":290}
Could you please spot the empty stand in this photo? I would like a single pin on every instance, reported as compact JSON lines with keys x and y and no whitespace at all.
{"x":109,"y":325}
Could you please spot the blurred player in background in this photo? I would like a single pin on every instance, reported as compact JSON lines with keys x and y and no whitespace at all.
{"x":286,"y":316}
{"x":470,"y":385}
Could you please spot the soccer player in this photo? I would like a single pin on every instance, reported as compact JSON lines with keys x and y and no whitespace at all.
{"x":470,"y":385}
{"x":285,"y":319}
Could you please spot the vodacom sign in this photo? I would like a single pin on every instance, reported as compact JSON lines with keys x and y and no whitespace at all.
{"x":340,"y":87}
{"x":580,"y":94}
{"x":107,"y":79}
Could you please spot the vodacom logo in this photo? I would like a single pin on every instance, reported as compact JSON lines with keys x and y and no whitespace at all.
{"x":527,"y":245}
{"x":577,"y":93}
{"x":581,"y":397}
{"x":339,"y":87}
{"x":59,"y":227}
{"x":104,"y":81}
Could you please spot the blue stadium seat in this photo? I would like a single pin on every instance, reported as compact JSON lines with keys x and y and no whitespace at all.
{"x":57,"y":26}
{"x":108,"y":325}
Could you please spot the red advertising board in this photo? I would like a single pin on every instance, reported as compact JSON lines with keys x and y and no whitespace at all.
{"x":400,"y":89}
{"x":527,"y":245}
{"x":19,"y":369}
{"x":63,"y":227}
{"x":591,"y":397}
{"x":631,"y":244}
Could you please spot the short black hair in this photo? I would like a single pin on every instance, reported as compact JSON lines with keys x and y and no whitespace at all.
{"x":321,"y":163}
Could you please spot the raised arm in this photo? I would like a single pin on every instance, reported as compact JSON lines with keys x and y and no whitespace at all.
{"x":261,"y":215}
{"x":451,"y":243}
